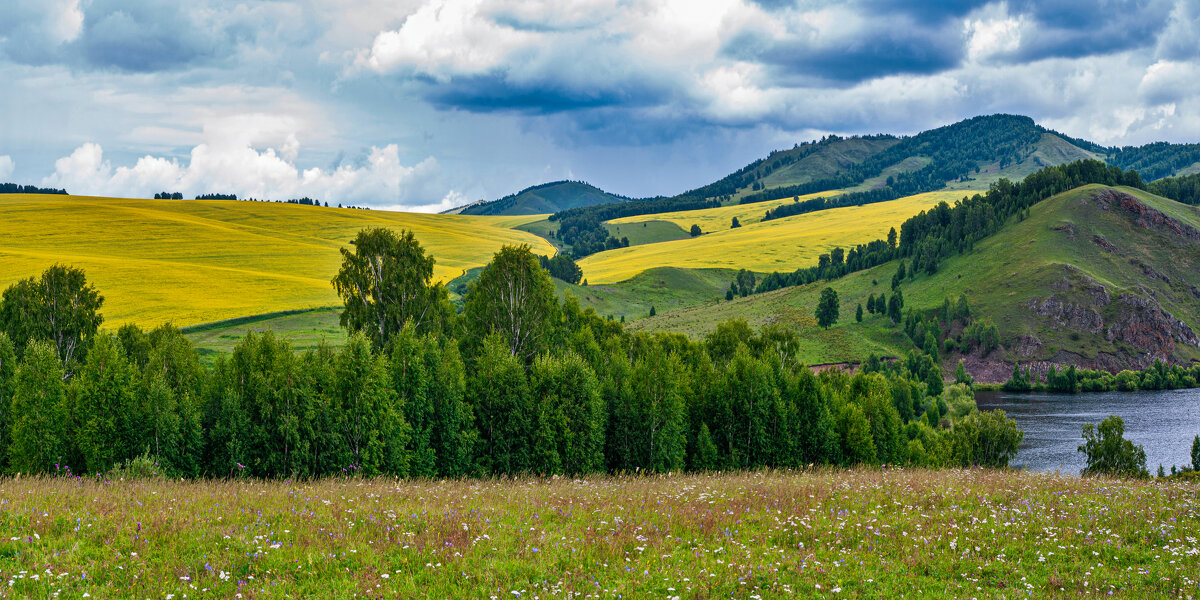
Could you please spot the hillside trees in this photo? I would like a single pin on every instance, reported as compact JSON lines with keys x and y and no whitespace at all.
{"x":385,"y":282}
{"x":59,"y":306}
{"x":513,"y":297}
{"x":562,"y":267}
{"x":39,"y":434}
{"x":827,"y":308}
{"x":111,"y":423}
{"x":8,"y":380}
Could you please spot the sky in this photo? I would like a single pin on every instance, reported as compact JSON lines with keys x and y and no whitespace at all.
{"x":428,"y":104}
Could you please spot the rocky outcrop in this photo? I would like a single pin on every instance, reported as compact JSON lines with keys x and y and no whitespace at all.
{"x":1144,"y":216}
{"x":1067,"y":315}
{"x":1099,"y":240}
{"x":1142,"y":324}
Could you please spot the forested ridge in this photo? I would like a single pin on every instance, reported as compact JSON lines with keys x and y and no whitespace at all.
{"x":944,"y":230}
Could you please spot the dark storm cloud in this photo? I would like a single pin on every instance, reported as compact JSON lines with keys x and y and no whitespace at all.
{"x":925,"y":10}
{"x":499,"y":92}
{"x":1071,"y":29}
{"x":877,"y":53}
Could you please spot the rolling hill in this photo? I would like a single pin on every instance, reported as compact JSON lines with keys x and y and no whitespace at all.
{"x":779,"y":245}
{"x":196,"y":261}
{"x":1098,"y":277}
{"x":542,"y":199}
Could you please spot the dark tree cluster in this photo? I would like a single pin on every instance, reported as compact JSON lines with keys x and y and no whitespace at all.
{"x":13,"y":188}
{"x":1159,"y":376}
{"x":217,"y":197}
{"x":306,"y":201}
{"x":1156,"y":160}
{"x":169,"y":196}
{"x":953,"y":151}
{"x":1185,"y":189}
{"x":562,"y":267}
{"x":516,"y":383}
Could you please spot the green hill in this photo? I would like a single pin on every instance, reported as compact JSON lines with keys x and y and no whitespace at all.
{"x":1097,"y":277}
{"x":543,"y":199}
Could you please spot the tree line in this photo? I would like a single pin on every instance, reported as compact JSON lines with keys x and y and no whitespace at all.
{"x":517,"y":382}
{"x":13,"y":188}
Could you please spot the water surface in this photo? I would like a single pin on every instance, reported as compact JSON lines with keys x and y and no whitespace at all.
{"x":1164,"y":423}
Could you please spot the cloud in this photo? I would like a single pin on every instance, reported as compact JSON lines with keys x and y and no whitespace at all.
{"x":231,"y":165}
{"x":6,"y":168}
{"x":33,"y":31}
{"x":1178,"y":40}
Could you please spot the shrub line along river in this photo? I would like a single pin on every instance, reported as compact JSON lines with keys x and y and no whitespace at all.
{"x":1163,"y":422}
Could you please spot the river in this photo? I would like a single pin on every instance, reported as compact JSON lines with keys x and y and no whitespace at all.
{"x":1164,"y":423}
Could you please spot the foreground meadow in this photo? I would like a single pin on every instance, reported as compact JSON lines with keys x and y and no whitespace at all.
{"x":878,"y":533}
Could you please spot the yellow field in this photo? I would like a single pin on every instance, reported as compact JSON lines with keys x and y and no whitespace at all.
{"x":716,"y":219}
{"x":193,"y":261}
{"x":781,"y":245}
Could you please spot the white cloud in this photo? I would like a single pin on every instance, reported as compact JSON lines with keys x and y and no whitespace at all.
{"x":446,"y":37}
{"x":992,"y":36}
{"x":6,"y":168}
{"x":230,"y":165}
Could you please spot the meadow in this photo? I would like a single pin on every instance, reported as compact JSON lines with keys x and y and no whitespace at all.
{"x":192,"y":261}
{"x":780,"y":245}
{"x":821,"y":533}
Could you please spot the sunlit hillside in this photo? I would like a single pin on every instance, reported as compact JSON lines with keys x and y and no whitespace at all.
{"x":189,"y":261}
{"x":716,"y":219}
{"x":778,"y":245}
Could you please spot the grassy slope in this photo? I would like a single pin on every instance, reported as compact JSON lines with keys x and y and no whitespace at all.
{"x":647,"y":232}
{"x":199,"y":261}
{"x":826,"y":162}
{"x":304,"y":330}
{"x":869,"y":533}
{"x":999,"y":277}
{"x":778,"y":245}
{"x":664,"y":288}
{"x":1050,"y":150}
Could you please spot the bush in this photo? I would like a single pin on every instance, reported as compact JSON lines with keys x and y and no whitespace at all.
{"x":138,"y":467}
{"x":1109,"y":453}
{"x":986,"y":439}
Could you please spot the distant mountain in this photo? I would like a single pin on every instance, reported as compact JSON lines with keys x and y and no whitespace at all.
{"x":543,"y":199}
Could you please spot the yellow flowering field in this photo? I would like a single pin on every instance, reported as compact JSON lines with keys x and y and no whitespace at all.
{"x":197,"y":261}
{"x":782,"y":245}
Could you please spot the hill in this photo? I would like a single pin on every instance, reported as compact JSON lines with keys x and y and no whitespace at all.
{"x":1098,"y":277}
{"x":543,"y":199}
{"x":197,"y":261}
{"x":778,"y":245}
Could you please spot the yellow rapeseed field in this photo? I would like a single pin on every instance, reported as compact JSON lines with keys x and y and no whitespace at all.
{"x":779,"y":245}
{"x":716,"y":219}
{"x":197,"y":261}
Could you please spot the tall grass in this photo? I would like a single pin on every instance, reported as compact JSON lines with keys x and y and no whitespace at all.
{"x":875,"y":533}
